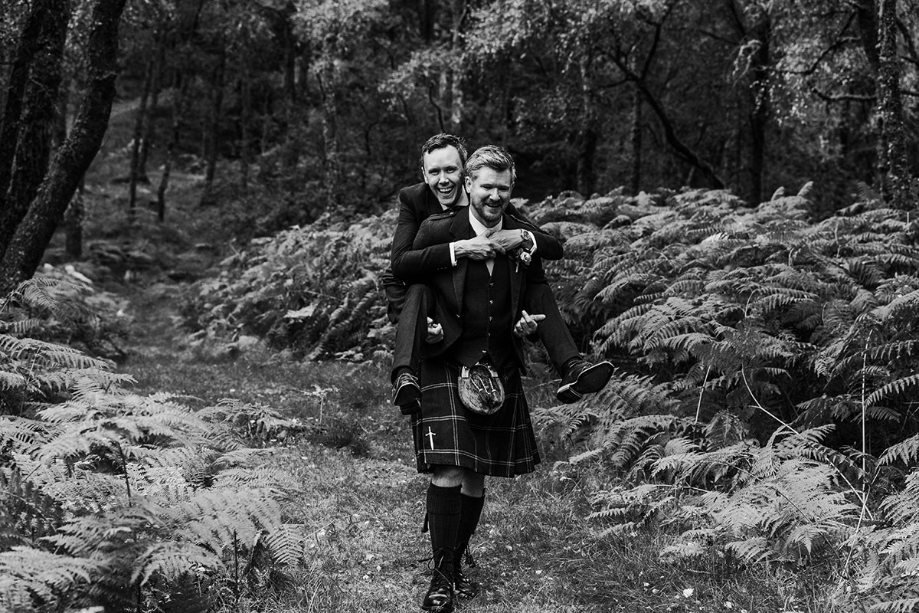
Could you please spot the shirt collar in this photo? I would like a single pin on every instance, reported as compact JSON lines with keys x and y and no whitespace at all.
{"x":481,"y":228}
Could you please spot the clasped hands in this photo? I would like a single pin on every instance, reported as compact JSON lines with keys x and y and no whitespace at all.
{"x":486,"y":246}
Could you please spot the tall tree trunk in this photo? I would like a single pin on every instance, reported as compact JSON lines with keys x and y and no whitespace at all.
{"x":761,"y":31}
{"x":456,"y":90}
{"x":245,"y":116}
{"x":30,"y":40}
{"x":73,"y":158}
{"x":139,"y":121}
{"x":73,"y":225}
{"x":332,"y":181}
{"x":866,"y":12}
{"x":213,"y":135}
{"x":635,"y":140}
{"x":893,"y":165}
{"x":426,"y":12}
{"x":149,"y":123}
{"x":179,"y":89}
{"x":40,"y":99}
{"x":587,"y":136}
{"x":60,"y":115}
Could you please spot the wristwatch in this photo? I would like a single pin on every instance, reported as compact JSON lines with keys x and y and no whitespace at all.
{"x":527,"y":241}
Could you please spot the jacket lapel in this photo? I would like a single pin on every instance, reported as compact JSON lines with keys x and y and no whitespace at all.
{"x":517,"y":271}
{"x":460,"y":229}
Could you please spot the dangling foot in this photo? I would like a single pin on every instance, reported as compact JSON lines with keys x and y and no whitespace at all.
{"x":582,"y":377}
{"x":406,"y":393}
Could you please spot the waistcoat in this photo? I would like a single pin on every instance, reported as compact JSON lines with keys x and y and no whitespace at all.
{"x":487,"y":317}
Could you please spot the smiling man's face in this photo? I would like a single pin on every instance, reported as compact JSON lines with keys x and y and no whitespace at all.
{"x":489,"y":194}
{"x":443,"y":172}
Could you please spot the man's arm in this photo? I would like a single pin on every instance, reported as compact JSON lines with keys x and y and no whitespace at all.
{"x":434,"y":233}
{"x":408,"y":264}
{"x":548,"y":247}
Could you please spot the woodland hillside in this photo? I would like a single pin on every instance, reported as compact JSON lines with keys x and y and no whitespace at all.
{"x":735,"y":186}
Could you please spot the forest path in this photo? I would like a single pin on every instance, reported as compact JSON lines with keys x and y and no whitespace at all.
{"x":354,"y":495}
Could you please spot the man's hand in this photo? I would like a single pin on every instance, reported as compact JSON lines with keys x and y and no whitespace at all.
{"x":478,"y":248}
{"x":435,"y":332}
{"x":527,"y":324}
{"x":508,"y":239}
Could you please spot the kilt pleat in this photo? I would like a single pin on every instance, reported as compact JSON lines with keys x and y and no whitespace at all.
{"x":445,"y":432}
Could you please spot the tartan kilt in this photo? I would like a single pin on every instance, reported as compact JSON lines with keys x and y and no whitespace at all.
{"x":500,"y":445}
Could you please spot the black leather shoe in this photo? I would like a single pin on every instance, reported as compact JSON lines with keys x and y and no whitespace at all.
{"x":463,"y":586}
{"x":581,"y":378}
{"x":439,"y":598}
{"x":406,"y":393}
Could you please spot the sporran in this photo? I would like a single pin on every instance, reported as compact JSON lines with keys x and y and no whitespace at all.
{"x":481,"y":389}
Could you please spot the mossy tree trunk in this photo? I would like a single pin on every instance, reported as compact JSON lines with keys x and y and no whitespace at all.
{"x":57,"y":186}
{"x":893,"y":166}
{"x":29,"y":117}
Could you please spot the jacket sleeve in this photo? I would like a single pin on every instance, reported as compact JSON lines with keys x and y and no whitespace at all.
{"x":535,"y":272}
{"x":548,"y":247}
{"x":409,"y":263}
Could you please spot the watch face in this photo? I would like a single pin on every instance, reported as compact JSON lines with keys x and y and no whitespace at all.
{"x":527,"y":243}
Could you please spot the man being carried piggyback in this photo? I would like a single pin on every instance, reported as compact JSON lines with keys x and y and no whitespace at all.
{"x":443,"y":157}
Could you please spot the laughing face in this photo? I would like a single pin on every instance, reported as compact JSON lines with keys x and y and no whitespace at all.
{"x":489,"y":194}
{"x":443,"y":172}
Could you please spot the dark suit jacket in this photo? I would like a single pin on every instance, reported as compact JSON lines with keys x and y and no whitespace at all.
{"x":448,"y":281}
{"x":417,"y":203}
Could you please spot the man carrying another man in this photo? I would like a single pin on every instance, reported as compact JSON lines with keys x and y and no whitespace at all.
{"x":482,"y":277}
{"x":442,"y":159}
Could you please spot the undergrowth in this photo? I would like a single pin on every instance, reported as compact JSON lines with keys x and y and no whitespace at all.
{"x":130,"y":502}
{"x":764,"y":406}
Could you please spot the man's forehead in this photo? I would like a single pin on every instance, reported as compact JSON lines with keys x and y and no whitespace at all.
{"x":443,"y":154}
{"x":490,"y":175}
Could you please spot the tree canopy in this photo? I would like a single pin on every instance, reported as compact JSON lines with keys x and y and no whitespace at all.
{"x":327,"y":102}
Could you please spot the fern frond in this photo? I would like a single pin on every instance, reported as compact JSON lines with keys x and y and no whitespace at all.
{"x":682,"y":551}
{"x":906,"y":451}
{"x":892,"y":389}
{"x":753,"y":550}
{"x":170,"y":561}
{"x":285,"y":545}
{"x":26,"y":573}
{"x":897,"y":605}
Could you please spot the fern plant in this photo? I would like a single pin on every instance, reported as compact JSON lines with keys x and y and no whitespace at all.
{"x":129,"y":502}
{"x":787,"y":347}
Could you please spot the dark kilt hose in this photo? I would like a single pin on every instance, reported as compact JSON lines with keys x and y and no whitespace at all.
{"x":447,"y":433}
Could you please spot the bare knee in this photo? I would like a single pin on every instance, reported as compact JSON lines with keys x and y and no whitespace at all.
{"x":473,"y":484}
{"x":448,"y":476}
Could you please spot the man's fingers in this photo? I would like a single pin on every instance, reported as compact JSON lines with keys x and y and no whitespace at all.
{"x":537,"y":317}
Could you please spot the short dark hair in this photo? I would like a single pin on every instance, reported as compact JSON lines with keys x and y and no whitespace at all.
{"x":493,"y":157}
{"x":439,"y":141}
